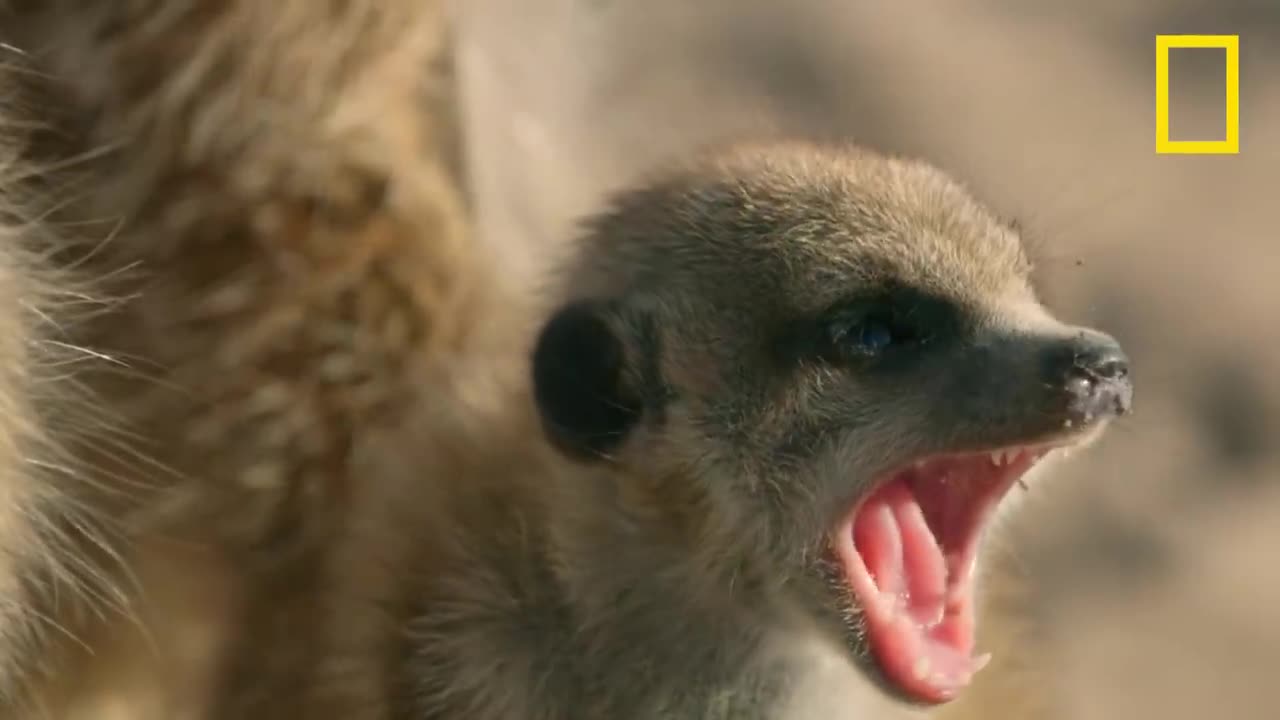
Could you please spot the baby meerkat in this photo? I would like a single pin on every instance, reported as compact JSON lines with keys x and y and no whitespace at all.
{"x":783,"y":390}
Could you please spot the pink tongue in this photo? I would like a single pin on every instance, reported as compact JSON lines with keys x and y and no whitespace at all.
{"x":920,"y":644}
{"x":902,"y":555}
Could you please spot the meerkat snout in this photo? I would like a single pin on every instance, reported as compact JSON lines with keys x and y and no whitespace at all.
{"x":1094,"y":371}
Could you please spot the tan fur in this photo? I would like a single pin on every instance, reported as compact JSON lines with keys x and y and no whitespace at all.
{"x":22,"y":490}
{"x":53,"y":532}
{"x":329,"y":487}
{"x":275,"y":187}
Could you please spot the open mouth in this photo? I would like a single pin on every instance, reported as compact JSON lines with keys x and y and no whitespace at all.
{"x":908,"y":551}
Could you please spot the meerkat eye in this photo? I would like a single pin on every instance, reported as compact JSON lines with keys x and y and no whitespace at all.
{"x":869,"y":335}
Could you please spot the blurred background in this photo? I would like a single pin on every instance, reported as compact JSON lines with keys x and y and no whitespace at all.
{"x":1151,"y":558}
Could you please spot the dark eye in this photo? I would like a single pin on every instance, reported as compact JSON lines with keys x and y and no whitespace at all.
{"x":869,"y":335}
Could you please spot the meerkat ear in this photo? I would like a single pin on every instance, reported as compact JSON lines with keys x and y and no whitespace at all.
{"x":580,"y":381}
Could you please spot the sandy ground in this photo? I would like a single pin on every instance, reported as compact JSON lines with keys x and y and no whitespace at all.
{"x":1152,"y":557}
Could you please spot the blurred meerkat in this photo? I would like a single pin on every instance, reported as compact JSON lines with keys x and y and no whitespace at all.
{"x":276,"y":190}
{"x":781,"y":391}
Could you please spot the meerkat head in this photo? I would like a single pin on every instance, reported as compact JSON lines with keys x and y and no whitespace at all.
{"x":834,"y":365}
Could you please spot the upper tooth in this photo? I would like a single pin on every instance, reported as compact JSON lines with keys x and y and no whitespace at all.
{"x":1000,"y":458}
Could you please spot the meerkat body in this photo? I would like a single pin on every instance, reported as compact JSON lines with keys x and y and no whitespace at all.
{"x":274,"y":191}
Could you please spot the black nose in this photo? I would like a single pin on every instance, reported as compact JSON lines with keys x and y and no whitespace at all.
{"x":1093,"y":372}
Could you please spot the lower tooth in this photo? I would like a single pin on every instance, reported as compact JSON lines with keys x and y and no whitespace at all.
{"x":980,"y":662}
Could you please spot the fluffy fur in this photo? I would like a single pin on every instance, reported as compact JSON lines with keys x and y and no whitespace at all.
{"x":276,"y":192}
{"x":56,"y":559}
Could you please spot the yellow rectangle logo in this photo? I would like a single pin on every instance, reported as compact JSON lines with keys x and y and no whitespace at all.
{"x":1230,"y":145}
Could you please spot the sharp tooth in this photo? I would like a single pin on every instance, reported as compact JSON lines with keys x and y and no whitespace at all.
{"x":995,"y":458}
{"x":921,"y":669}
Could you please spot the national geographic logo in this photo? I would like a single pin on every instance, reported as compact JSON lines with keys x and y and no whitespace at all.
{"x":1229,"y":145}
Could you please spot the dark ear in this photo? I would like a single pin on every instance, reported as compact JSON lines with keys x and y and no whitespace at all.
{"x":579,"y":383}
